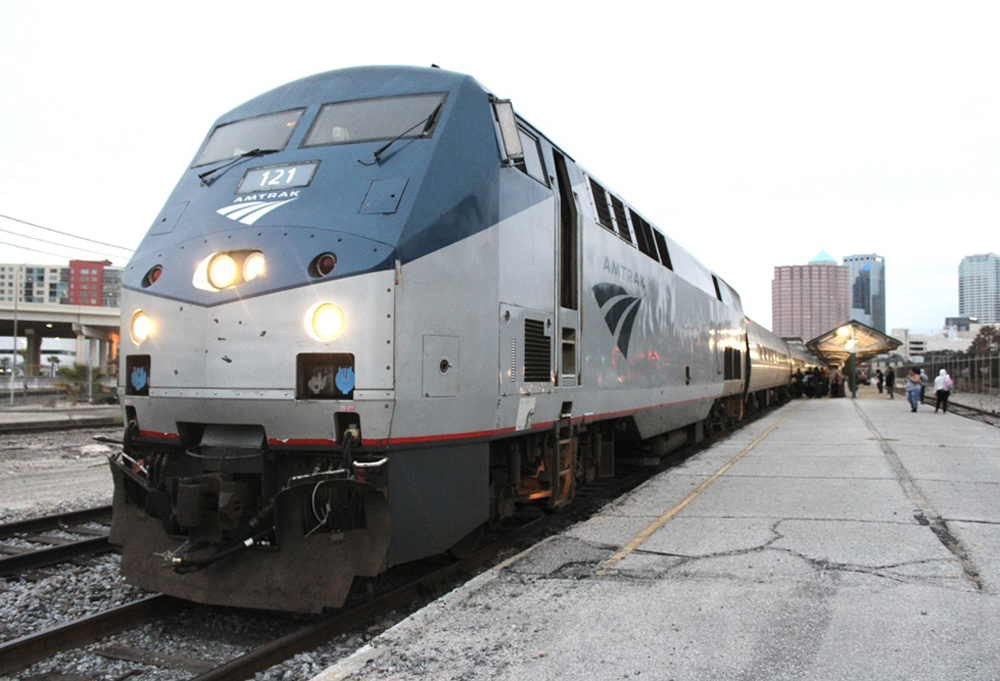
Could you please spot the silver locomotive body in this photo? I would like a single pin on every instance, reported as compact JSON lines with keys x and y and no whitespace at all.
{"x":450,"y":322}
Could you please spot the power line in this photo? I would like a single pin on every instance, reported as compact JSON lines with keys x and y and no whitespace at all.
{"x":54,"y":243}
{"x":72,"y":236}
{"x":35,"y":250}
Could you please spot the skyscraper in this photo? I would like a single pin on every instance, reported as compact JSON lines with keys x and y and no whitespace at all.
{"x":809,"y":300}
{"x":979,"y":287}
{"x":867,"y":289}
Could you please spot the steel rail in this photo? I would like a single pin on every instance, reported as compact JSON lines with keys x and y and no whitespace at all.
{"x":30,"y":559}
{"x":53,"y":555}
{"x":965,"y":410}
{"x":59,"y":521}
{"x":309,"y":637}
{"x":21,"y":653}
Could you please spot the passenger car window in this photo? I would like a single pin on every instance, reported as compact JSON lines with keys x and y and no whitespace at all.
{"x":370,"y":120}
{"x":264,"y":133}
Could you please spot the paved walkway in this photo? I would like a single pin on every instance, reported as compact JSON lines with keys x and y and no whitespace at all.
{"x":832,"y":539}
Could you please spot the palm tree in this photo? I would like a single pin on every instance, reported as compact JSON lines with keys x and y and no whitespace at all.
{"x":75,"y":378}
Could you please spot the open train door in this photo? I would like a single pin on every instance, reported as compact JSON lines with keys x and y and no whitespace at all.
{"x":568,"y":277}
{"x":545,"y":244}
{"x":528,"y":252}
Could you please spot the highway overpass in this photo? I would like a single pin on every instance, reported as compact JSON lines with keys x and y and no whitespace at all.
{"x":94,"y":328}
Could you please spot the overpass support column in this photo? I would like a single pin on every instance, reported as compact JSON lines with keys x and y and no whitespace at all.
{"x":81,"y":357}
{"x":99,"y":355}
{"x":84,"y":345}
{"x":109,"y":357}
{"x":32,"y":353}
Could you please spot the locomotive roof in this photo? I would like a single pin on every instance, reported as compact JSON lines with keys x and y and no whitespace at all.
{"x":449,"y":181}
{"x":358,"y":82}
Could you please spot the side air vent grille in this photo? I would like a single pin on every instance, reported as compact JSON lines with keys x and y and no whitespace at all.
{"x":620,"y":218}
{"x":513,"y":360}
{"x":537,"y":353}
{"x":601,"y":204}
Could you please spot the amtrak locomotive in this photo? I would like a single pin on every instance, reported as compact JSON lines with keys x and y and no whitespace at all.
{"x":379,"y":311}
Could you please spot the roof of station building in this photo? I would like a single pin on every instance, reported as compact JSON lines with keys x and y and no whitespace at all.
{"x":836,"y":345}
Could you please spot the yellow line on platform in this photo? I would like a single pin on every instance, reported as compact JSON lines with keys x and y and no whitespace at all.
{"x":639,"y":539}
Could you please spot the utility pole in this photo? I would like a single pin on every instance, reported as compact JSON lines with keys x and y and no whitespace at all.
{"x":13,"y":357}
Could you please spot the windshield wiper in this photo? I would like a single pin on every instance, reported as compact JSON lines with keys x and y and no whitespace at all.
{"x":204,"y":177}
{"x":428,"y":123}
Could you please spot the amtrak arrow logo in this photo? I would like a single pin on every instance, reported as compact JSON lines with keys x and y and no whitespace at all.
{"x":249,"y":213}
{"x":619,"y":309}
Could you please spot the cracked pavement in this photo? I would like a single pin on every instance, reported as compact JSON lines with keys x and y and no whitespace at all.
{"x":854,"y":539}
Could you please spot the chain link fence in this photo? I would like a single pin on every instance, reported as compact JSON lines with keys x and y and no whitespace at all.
{"x":978,"y":375}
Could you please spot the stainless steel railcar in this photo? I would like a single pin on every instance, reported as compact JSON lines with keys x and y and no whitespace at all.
{"x":770,"y":365}
{"x":378,"y":311}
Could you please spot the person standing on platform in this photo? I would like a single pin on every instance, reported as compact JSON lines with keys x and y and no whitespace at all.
{"x":878,"y":380}
{"x":836,"y":385}
{"x":890,"y":383}
{"x":923,"y":383}
{"x":913,"y":386}
{"x":942,"y":390}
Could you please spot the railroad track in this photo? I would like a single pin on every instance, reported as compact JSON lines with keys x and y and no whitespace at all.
{"x":362,"y":610}
{"x":47,"y":421}
{"x":19,"y":654}
{"x":40,"y":542}
{"x":422,"y":587}
{"x":984,"y":415}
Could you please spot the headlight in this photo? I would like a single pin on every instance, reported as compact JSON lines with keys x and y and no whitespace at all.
{"x":222,"y":271}
{"x":253,"y":266}
{"x":139,"y":327}
{"x":324,"y":322}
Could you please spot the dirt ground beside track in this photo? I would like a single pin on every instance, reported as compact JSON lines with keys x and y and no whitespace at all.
{"x":43,"y":471}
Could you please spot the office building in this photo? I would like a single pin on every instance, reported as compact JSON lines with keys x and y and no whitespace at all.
{"x":36,"y":283}
{"x":809,"y":300}
{"x":82,"y":282}
{"x":867,"y":289}
{"x":979,"y":288}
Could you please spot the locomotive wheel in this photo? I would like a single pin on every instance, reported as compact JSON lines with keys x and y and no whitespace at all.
{"x":468,"y":544}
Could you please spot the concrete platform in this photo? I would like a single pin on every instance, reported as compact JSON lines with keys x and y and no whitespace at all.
{"x":833,"y":539}
{"x":29,"y":418}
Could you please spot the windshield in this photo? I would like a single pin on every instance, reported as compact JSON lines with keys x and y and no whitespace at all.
{"x":369,"y":120}
{"x":263,"y":133}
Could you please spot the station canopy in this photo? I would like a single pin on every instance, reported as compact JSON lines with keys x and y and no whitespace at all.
{"x":836,"y":346}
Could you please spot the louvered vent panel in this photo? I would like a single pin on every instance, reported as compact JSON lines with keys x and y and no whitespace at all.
{"x":601,"y":204}
{"x":619,"y":209}
{"x":537,"y":353}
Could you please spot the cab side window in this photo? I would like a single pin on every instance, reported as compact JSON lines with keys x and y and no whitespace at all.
{"x":533,"y":165}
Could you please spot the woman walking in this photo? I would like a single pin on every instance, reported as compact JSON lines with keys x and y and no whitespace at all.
{"x":942,"y":390}
{"x":913,"y":386}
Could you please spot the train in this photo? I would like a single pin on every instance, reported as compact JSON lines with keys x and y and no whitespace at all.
{"x":381,"y":310}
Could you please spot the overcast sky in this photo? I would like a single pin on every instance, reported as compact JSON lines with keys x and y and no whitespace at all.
{"x":756,"y":134}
